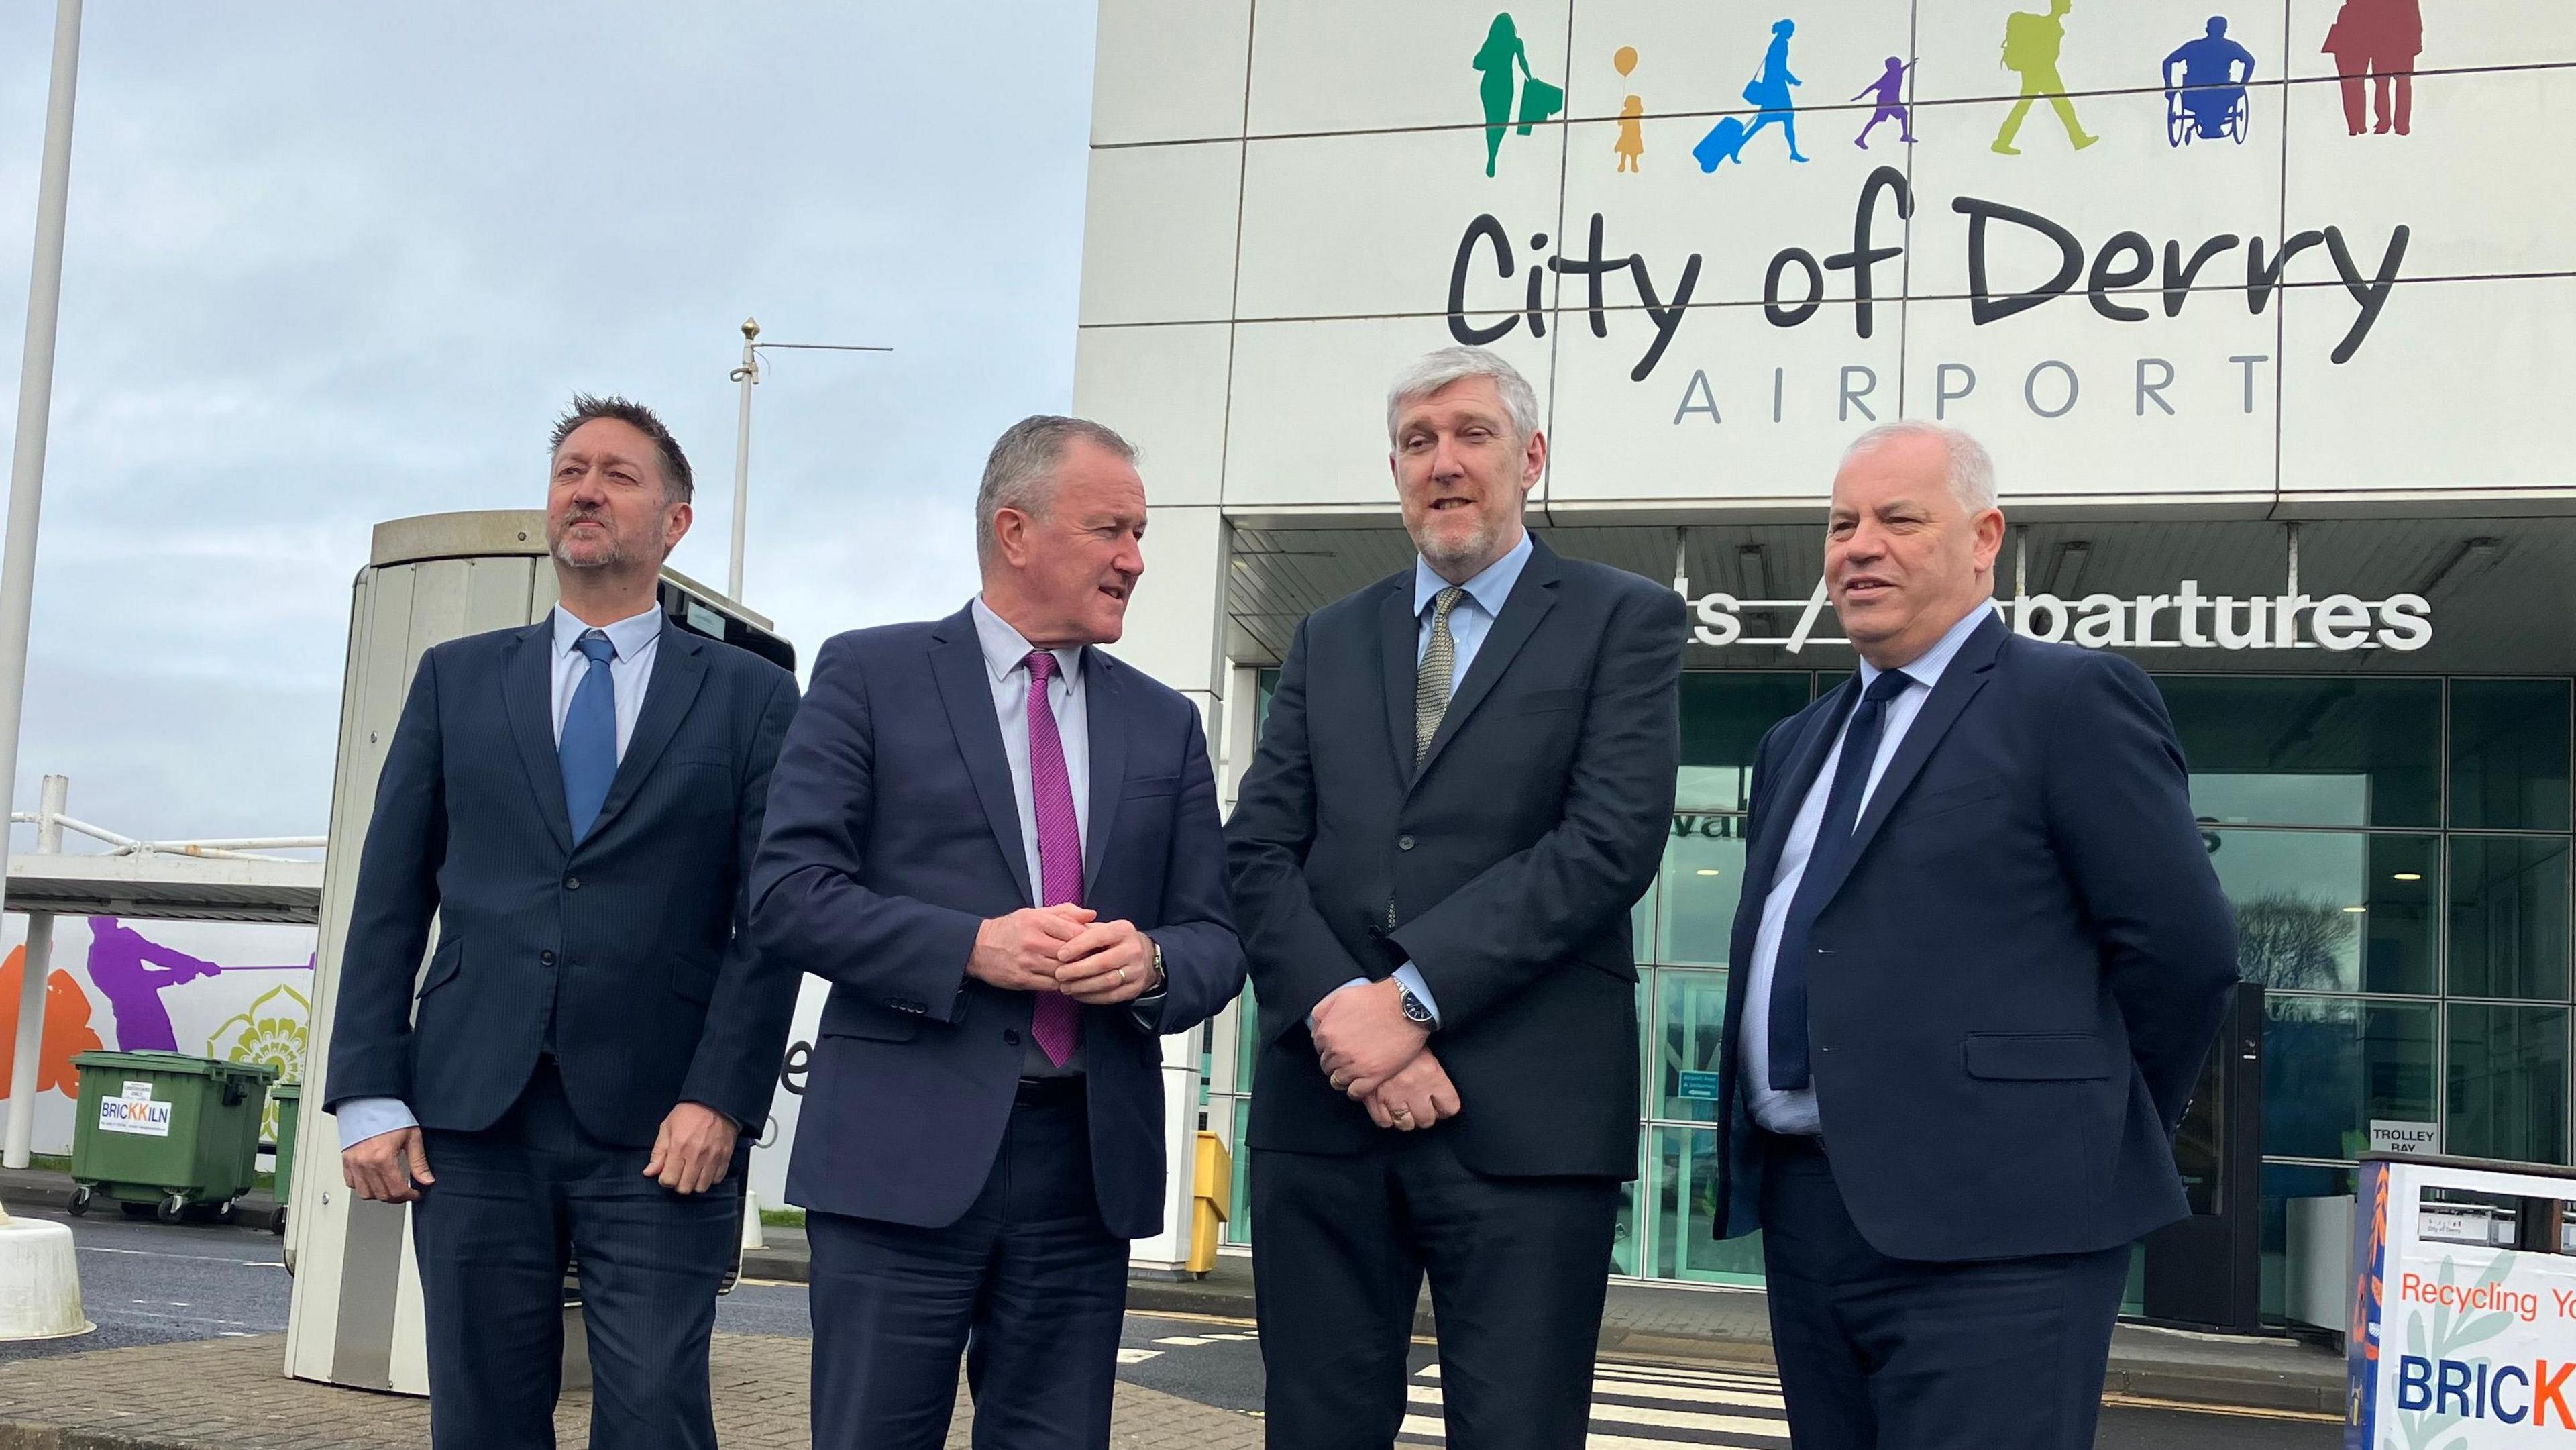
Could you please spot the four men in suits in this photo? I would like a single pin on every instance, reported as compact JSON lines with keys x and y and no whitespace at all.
{"x":1465,"y":782}
{"x":1979,"y":960}
{"x":1001,"y":847}
{"x":577,"y":802}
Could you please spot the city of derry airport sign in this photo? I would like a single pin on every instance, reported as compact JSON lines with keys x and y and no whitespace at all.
{"x":2184,"y":619}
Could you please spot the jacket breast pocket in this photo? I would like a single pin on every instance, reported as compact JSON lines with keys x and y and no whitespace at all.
{"x":699,"y":756}
{"x":1954,"y":797}
{"x":1143,"y":787}
{"x":2037,"y":1057}
{"x":1538,"y":702}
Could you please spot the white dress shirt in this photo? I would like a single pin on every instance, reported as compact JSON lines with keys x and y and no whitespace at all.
{"x":1795,"y":1112}
{"x":638,"y":638}
{"x":1006,"y":653}
{"x":1470,"y":620}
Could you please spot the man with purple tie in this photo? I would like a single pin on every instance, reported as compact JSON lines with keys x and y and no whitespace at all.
{"x":1001,"y":847}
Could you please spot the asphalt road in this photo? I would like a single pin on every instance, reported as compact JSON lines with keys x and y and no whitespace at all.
{"x":146,"y":1283}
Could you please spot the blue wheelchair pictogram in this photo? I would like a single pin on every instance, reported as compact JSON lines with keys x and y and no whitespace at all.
{"x":2205,"y":96}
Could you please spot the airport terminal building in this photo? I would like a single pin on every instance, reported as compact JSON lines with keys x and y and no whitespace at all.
{"x":2263,"y":317}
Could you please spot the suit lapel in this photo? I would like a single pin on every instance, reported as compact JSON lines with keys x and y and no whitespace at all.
{"x":957,"y":663}
{"x":528,"y":703}
{"x":679,"y":668}
{"x":1968,"y":672}
{"x":1398,"y":641}
{"x":1108,"y":746}
{"x":1533,"y":595}
{"x":1779,"y":814}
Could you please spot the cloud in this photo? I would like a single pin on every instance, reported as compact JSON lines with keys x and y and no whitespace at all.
{"x":335,"y":264}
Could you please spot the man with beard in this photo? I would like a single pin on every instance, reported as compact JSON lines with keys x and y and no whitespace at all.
{"x":1463,"y":785}
{"x":577,"y":801}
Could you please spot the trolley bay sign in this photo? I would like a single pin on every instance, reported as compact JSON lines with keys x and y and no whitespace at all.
{"x":2184,"y":619}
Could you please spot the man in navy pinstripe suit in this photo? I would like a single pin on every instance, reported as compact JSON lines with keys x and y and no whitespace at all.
{"x":577,"y":801}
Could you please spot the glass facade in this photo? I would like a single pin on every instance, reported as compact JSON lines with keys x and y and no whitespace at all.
{"x":2398,"y":851}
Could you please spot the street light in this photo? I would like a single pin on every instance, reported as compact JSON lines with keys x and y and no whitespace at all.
{"x":26,"y":500}
{"x":747,"y":375}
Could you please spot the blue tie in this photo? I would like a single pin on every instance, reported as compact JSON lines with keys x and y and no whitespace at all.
{"x":589,"y":746}
{"x":1824,"y":868}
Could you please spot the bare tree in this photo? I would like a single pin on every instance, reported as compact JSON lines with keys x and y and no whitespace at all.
{"x":2289,"y":942}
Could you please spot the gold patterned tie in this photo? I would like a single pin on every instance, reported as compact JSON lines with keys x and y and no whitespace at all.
{"x":1431,"y":682}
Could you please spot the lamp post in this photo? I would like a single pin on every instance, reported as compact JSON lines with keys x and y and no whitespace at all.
{"x":26,"y":499}
{"x":747,"y":375}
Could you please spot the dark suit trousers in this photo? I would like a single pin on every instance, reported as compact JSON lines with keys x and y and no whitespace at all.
{"x":1890,"y":1354}
{"x":1030,"y":1286}
{"x":492,"y":1234}
{"x":1518,"y":1268}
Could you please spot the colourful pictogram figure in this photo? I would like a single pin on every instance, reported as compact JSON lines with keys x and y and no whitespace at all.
{"x":1889,"y":88}
{"x":1631,"y":144}
{"x":2205,"y":87}
{"x":1504,"y":63}
{"x":1768,"y":92}
{"x":67,"y":1028}
{"x":2374,"y":44}
{"x":2032,"y":45}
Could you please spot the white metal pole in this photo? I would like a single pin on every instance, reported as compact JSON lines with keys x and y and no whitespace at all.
{"x":747,"y":375}
{"x":26,"y":496}
{"x":37,"y":965}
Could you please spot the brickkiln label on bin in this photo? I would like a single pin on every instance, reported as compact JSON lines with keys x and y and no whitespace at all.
{"x":135,"y":1112}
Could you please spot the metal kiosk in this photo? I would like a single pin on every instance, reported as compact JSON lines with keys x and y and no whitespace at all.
{"x":355,"y":1315}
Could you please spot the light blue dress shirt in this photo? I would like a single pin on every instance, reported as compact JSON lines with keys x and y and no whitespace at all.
{"x":1795,"y":1112}
{"x":638,"y":638}
{"x":1470,"y":620}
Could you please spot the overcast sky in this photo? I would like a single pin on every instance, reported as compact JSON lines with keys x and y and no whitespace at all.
{"x":331,"y":264}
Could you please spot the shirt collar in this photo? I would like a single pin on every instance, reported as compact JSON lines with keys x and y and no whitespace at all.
{"x":1489,"y":588}
{"x":1005,"y":648}
{"x":629,"y":634}
{"x":1927,"y":667}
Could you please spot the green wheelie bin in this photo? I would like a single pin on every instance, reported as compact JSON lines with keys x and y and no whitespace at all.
{"x":162,"y":1133}
{"x":289,"y":1097}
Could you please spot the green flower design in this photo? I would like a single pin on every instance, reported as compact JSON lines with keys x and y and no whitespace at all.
{"x":273,"y":1030}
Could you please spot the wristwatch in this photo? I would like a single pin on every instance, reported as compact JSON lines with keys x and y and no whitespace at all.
{"x":1414,"y":1010}
{"x":1160,"y":976}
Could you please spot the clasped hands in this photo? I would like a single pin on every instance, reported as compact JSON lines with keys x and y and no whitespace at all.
{"x":1379,"y":1057}
{"x":1064,"y":949}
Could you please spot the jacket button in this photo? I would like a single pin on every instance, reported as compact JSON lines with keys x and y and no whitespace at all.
{"x":572,"y":883}
{"x":1404,"y":843}
{"x":1011,"y":1036}
{"x":546,"y":957}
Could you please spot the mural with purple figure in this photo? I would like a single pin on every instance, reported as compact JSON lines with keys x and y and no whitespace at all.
{"x":131,"y":970}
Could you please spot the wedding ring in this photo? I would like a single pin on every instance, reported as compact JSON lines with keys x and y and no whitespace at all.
{"x":1122,"y":976}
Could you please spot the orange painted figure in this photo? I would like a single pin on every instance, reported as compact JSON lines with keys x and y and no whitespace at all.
{"x":1632,"y":139}
{"x":67,"y":1029}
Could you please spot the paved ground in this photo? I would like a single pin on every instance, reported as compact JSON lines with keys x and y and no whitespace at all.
{"x":188,"y":1355}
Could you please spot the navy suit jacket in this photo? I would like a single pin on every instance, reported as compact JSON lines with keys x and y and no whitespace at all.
{"x":635,"y":935}
{"x":1504,"y":868}
{"x":893,"y":834}
{"x":2015,"y":984}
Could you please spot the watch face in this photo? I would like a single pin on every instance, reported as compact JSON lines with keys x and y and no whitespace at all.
{"x":1414,"y":1011}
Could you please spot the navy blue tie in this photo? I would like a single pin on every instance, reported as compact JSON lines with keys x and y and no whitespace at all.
{"x":1824,"y":871}
{"x":588,"y":749}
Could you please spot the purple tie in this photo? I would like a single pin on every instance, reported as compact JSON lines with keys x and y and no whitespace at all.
{"x":1058,"y":1019}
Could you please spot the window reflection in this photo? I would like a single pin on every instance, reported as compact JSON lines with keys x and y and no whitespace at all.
{"x":2509,"y":917}
{"x":2508,"y":1083}
{"x":2314,"y":908}
{"x":2509,"y":741}
{"x":1703,"y":874}
{"x":1684,"y":1190}
{"x":1724,"y":717}
{"x":1690,"y":1023}
{"x":2309,"y":752}
{"x":2331,"y":1065}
